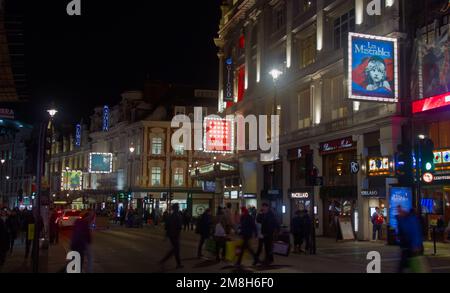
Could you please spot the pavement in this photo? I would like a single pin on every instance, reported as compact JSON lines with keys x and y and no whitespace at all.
{"x":125,"y":250}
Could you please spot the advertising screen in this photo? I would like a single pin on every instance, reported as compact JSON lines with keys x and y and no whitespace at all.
{"x":219,"y":136}
{"x":209,"y":186}
{"x":400,"y":196}
{"x":100,"y":163}
{"x":72,"y":180}
{"x":373,"y":68}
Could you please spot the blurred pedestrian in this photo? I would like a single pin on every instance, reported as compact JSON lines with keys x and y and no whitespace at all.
{"x":186,"y":220}
{"x":220,"y":236}
{"x":377,"y":223}
{"x":269,"y":226}
{"x":4,"y":237}
{"x":229,"y":223}
{"x":54,"y":227}
{"x":30,"y":227}
{"x":410,"y":236}
{"x":247,"y":231}
{"x":173,"y":227}
{"x":12,"y":224}
{"x":82,"y":239}
{"x":260,"y":236}
{"x":306,"y":230}
{"x":204,"y":228}
{"x":296,"y":230}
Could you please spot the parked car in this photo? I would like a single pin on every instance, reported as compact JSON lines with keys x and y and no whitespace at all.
{"x":69,"y":218}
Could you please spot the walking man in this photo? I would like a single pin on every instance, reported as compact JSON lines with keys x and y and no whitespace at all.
{"x":173,"y":229}
{"x":204,"y":229}
{"x":248,"y":230}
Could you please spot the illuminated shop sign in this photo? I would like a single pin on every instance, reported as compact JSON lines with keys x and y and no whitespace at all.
{"x":373,"y":193}
{"x":226,"y":194}
{"x":71,"y":180}
{"x":206,"y":169}
{"x":431,"y":103}
{"x":100,"y":163}
{"x":300,"y":195}
{"x":229,"y":81}
{"x":372,"y":68}
{"x":442,"y":157}
{"x":234,"y":194}
{"x":226,"y":167}
{"x":379,"y":166}
{"x":337,"y":145}
{"x":106,"y":118}
{"x":219,"y":136}
{"x":249,"y":195}
{"x":78,"y":135}
{"x":7,"y":114}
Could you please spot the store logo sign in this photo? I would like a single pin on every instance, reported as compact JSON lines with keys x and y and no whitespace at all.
{"x":300,"y":195}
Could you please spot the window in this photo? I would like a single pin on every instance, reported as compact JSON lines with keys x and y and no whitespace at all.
{"x":307,"y":51}
{"x":304,"y":109}
{"x":342,"y":26}
{"x":178,"y":177}
{"x":179,"y":150}
{"x":156,"y":176}
{"x":338,"y":98}
{"x":180,"y":110}
{"x":157,"y":146}
{"x":279,"y":18}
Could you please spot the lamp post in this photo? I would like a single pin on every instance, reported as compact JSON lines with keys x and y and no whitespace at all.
{"x":43,"y":132}
{"x":275,"y":73}
{"x":132,"y":149}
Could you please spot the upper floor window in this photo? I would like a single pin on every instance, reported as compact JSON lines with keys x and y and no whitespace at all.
{"x":307,"y":51}
{"x":178,"y":177}
{"x":157,"y":146}
{"x":342,"y":26}
{"x":304,"y":109}
{"x":179,"y":150}
{"x":156,"y":176}
{"x":279,"y":18}
{"x":180,"y":110}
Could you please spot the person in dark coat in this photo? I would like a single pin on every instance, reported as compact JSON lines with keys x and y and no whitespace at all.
{"x":173,"y":227}
{"x":28,"y":221}
{"x":81,"y":237}
{"x":4,"y":237}
{"x":296,"y":231}
{"x":204,"y":229}
{"x":54,"y":228}
{"x":306,"y":230}
{"x":247,"y":231}
{"x":12,"y":224}
{"x":269,"y":227}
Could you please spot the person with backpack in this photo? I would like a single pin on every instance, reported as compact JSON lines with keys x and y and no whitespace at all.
{"x":377,"y":222}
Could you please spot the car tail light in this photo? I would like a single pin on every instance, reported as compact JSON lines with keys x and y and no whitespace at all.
{"x":65,"y":218}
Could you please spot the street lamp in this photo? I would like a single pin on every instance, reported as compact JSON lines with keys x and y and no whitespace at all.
{"x":275,"y":73}
{"x":52,"y":112}
{"x":3,"y":161}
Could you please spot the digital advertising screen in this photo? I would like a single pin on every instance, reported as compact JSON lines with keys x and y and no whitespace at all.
{"x":72,"y":180}
{"x":100,"y":163}
{"x":399,"y":197}
{"x":373,"y":68}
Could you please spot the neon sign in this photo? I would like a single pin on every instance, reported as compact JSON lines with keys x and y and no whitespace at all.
{"x":431,"y":103}
{"x":219,"y":136}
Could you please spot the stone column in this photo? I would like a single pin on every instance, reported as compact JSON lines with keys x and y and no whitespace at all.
{"x":317,"y":200}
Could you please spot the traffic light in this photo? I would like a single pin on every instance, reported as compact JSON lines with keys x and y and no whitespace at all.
{"x":427,"y":156}
{"x":404,"y":165}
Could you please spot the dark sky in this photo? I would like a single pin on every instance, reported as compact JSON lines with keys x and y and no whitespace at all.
{"x":83,"y":61}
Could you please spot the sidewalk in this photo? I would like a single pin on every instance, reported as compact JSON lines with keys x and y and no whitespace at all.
{"x":50,"y":261}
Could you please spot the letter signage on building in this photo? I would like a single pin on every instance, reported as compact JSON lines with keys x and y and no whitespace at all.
{"x":337,"y":145}
{"x":228,"y":95}
{"x":372,"y":68}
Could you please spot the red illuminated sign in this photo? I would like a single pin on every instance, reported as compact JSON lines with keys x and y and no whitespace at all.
{"x":219,"y":135}
{"x":431,"y":103}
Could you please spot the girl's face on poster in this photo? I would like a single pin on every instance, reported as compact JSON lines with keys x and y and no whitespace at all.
{"x":377,"y":71}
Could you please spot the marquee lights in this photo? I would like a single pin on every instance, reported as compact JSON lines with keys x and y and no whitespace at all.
{"x":218,"y":136}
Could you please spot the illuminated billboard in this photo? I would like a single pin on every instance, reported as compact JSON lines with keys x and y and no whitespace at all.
{"x":218,"y":136}
{"x":71,"y":180}
{"x":372,"y":68}
{"x":100,"y":163}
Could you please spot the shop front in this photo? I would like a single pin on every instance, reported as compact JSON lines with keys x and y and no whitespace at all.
{"x":250,"y":200}
{"x":302,"y":200}
{"x":339,"y":193}
{"x":435,"y":199}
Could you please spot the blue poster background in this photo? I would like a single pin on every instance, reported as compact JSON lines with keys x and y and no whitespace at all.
{"x":400,"y":196}
{"x":101,"y":163}
{"x":360,"y":61}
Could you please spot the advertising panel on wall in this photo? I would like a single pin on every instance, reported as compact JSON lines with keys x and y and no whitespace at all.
{"x":100,"y":163}
{"x":71,"y":180}
{"x":218,"y":136}
{"x":373,"y":68}
{"x":399,"y":197}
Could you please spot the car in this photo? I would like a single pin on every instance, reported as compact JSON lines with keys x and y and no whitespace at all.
{"x":69,"y":218}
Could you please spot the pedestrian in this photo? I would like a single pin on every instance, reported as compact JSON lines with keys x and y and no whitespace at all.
{"x":122,"y":216}
{"x":296,"y":230}
{"x":54,"y":227}
{"x":12,"y":224}
{"x":173,"y":227}
{"x":4,"y":237}
{"x":410,"y":236}
{"x":269,"y":227}
{"x":229,"y":224}
{"x":259,"y":218}
{"x":306,"y":230}
{"x":186,"y":220}
{"x":30,"y":227}
{"x":247,"y":231}
{"x":204,"y":228}
{"x":377,"y":223}
{"x":220,"y":236}
{"x":82,"y":238}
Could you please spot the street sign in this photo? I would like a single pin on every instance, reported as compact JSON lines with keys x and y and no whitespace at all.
{"x":354,"y":168}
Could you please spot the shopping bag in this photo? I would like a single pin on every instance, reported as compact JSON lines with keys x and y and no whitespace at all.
{"x":233,"y":250}
{"x":210,"y":246}
{"x":281,"y":248}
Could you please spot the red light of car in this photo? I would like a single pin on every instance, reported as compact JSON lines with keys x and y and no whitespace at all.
{"x":65,"y":218}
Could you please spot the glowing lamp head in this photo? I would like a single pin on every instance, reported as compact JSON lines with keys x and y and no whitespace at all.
{"x":52,"y":112}
{"x":275,"y":73}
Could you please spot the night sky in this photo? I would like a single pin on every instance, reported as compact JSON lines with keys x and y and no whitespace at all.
{"x":80,"y":62}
